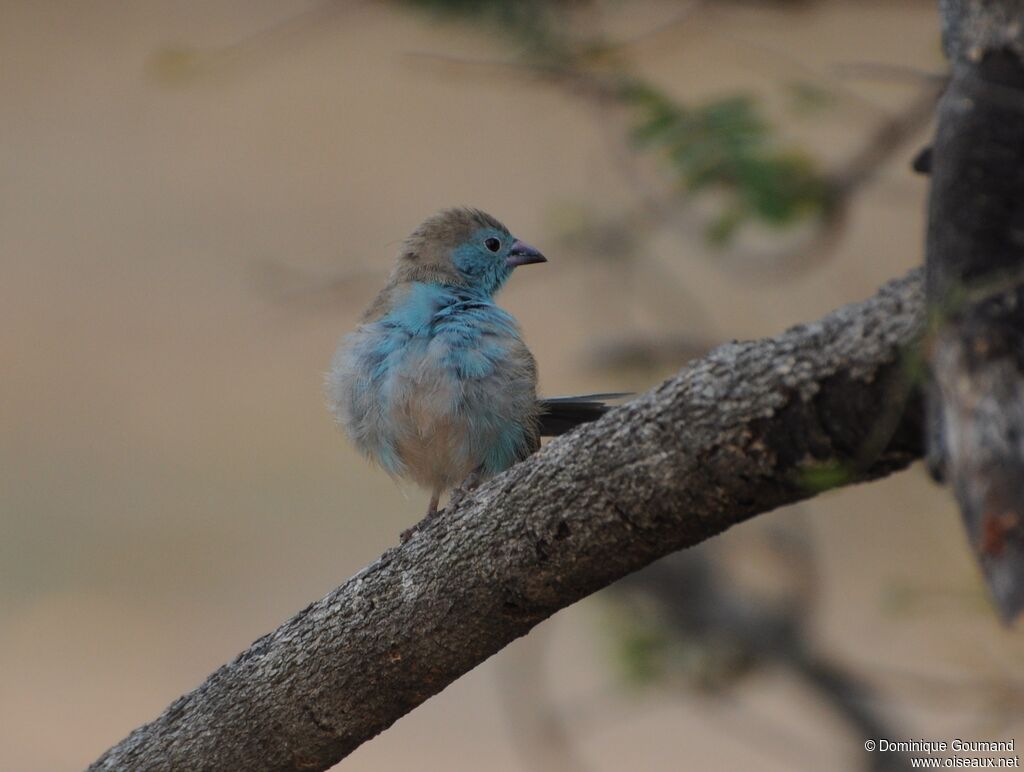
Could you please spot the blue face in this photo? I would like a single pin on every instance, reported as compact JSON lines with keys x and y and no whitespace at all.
{"x":483,"y":260}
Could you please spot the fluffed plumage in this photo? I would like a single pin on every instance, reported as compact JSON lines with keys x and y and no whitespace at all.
{"x":436,"y":384}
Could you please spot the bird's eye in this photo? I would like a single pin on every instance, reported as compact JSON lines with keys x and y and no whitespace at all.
{"x":492,"y":244}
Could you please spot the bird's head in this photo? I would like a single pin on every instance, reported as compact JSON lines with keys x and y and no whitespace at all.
{"x":463,"y":247}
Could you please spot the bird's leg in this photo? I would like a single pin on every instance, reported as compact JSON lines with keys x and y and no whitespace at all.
{"x":435,"y":497}
{"x":470,"y":483}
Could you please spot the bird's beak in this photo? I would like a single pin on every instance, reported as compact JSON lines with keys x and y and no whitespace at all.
{"x":523,"y":254}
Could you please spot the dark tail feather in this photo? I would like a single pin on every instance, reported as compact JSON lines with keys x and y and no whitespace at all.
{"x":560,"y":414}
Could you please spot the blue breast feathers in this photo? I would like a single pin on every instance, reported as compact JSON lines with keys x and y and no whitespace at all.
{"x":443,"y":359}
{"x":466,"y":332}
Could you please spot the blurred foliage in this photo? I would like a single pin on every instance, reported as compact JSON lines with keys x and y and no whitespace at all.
{"x":690,"y":620}
{"x":726,"y":145}
{"x":649,"y":653}
{"x":640,"y":652}
{"x":723,"y":149}
{"x":539,"y":25}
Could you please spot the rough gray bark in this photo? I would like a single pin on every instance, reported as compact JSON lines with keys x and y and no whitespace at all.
{"x":971,"y":27}
{"x":975,"y":287}
{"x":748,"y":428}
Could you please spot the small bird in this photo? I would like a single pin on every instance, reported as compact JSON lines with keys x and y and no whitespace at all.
{"x":436,"y":384}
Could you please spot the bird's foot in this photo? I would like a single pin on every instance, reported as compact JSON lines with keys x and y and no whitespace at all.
{"x":432,"y":512}
{"x":470,"y":484}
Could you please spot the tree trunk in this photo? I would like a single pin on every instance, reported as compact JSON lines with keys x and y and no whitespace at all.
{"x":975,"y":287}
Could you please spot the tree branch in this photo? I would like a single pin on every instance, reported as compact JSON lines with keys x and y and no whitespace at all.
{"x":748,"y":428}
{"x":975,"y":287}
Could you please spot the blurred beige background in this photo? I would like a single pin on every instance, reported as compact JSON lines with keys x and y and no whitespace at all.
{"x":171,"y":485}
